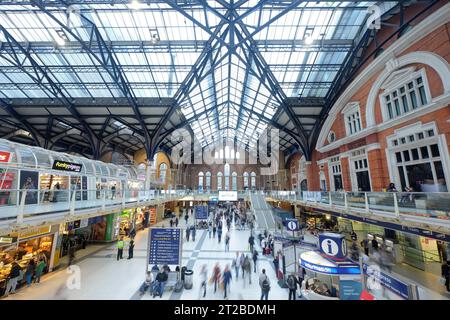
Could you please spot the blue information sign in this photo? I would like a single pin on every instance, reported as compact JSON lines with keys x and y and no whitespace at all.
{"x":387,"y":281}
{"x":165,"y":246}
{"x":350,"y":289}
{"x":292,"y":224}
{"x":201,"y":212}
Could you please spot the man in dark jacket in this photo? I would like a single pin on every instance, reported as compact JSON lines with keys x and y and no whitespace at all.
{"x":13,"y":278}
{"x":292,"y":285}
{"x":161,"y":279}
{"x":251,"y":242}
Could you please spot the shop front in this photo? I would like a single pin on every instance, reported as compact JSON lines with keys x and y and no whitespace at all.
{"x":35,"y":243}
{"x":330,"y":275}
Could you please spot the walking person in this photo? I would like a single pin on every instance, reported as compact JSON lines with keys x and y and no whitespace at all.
{"x":131,"y":249}
{"x":219,"y":231}
{"x":241,"y":262}
{"x":209,"y":229}
{"x":71,"y":252}
{"x":227,"y":241}
{"x":29,"y":273}
{"x":255,"y":258}
{"x":193,"y":232}
{"x":188,"y":233}
{"x":365,"y":245}
{"x":176,"y":222}
{"x":120,"y":245}
{"x":251,"y":242}
{"x":236,"y":264}
{"x":292,"y":285}
{"x":264,"y":283}
{"x":171,"y":223}
{"x":216,"y":276}
{"x":226,"y":280}
{"x":203,"y":279}
{"x":39,"y":270}
{"x":214,"y":231}
{"x":186,"y":218}
{"x":248,"y":269}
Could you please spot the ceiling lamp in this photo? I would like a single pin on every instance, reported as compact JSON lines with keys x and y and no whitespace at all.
{"x":135,"y":5}
{"x":309,"y":39}
{"x":154,"y":36}
{"x":60,"y":37}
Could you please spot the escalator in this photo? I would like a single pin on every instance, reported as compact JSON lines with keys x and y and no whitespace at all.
{"x":263,"y":213}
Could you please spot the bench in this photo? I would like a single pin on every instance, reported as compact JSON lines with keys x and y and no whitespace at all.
{"x":172,"y":280}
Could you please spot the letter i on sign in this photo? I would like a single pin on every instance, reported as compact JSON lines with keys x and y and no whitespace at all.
{"x":330,"y":250}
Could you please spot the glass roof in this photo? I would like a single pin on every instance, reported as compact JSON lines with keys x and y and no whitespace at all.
{"x":229,"y":64}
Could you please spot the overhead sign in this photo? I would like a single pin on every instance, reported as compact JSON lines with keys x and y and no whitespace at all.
{"x":333,"y":245}
{"x":164,"y":246}
{"x":201,"y":212}
{"x":314,"y":261}
{"x":228,"y":196}
{"x":292,"y":224}
{"x":66,"y":166}
{"x":7,"y":240}
{"x":33,"y":232}
{"x":4,"y":156}
{"x":329,"y":269}
{"x":378,"y":277}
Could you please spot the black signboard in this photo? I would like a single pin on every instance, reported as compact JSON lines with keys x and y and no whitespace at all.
{"x":66,"y":166}
{"x":164,"y":246}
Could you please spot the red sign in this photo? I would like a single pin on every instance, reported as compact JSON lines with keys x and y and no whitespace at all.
{"x":152,"y":216}
{"x":4,"y":156}
{"x":366,"y":296}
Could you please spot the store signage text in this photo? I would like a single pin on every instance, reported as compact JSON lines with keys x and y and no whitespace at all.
{"x":7,"y":240}
{"x":66,"y":166}
{"x":4,"y":156}
{"x":329,"y":270}
{"x":34,"y":232}
{"x":387,"y":281}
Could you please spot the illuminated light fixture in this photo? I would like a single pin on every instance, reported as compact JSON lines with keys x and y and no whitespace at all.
{"x":309,"y":39}
{"x":135,"y":4}
{"x":60,"y":37}
{"x":154,"y":36}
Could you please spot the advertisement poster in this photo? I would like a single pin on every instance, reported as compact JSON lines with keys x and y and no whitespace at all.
{"x":6,"y":182}
{"x":29,"y":181}
{"x":84,"y":187}
{"x":350,"y":289}
{"x":98,"y":228}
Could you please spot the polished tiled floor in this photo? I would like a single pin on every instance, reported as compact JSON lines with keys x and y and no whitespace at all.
{"x":103,"y":277}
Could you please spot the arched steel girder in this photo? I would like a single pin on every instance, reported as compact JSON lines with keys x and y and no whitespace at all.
{"x":41,"y":77}
{"x":107,"y":59}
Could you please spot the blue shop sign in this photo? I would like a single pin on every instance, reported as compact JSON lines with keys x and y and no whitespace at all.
{"x":165,"y":246}
{"x":337,"y":270}
{"x":396,"y":286}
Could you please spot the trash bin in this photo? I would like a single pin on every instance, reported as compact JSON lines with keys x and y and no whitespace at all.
{"x":188,"y":279}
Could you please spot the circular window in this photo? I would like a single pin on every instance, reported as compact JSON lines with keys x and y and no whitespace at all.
{"x":331,"y":137}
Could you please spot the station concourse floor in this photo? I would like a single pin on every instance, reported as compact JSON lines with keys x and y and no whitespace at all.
{"x":103,"y":277}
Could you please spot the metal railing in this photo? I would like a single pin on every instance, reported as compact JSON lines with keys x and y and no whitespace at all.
{"x":22,"y":203}
{"x":434,"y":205}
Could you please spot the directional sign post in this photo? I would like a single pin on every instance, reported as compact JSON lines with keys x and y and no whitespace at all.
{"x":293,"y":225}
{"x":164,"y":247}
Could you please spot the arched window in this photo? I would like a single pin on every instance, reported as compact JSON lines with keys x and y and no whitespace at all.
{"x":232,"y":154}
{"x":245,"y":180}
{"x":238,"y":155}
{"x":200,"y":181}
{"x":234,"y":181}
{"x":221,"y":154}
{"x":162,"y":172}
{"x":208,"y":181}
{"x":253,"y":181}
{"x":227,"y":176}
{"x":227,"y":153}
{"x":219,"y":181}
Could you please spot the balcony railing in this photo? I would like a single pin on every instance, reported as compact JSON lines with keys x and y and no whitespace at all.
{"x":434,"y":205}
{"x":25,"y":203}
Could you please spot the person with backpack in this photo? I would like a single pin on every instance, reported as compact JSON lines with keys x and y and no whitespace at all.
{"x":227,"y":241}
{"x":264,"y":283}
{"x":255,"y":258}
{"x":292,"y":285}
